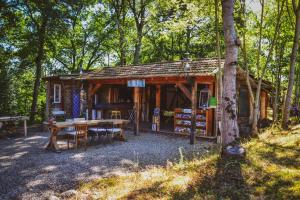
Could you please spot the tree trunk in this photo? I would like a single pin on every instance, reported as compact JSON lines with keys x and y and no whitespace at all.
{"x":297,"y":88}
{"x":278,"y":83}
{"x":38,"y":71}
{"x":120,"y":9}
{"x":245,"y":62}
{"x":287,"y":104}
{"x":218,"y":112}
{"x":137,"y":50}
{"x":122,"y":47}
{"x":263,"y":71}
{"x":230,"y":130}
{"x":172,"y":46}
{"x":256,"y":102}
{"x":188,"y":41}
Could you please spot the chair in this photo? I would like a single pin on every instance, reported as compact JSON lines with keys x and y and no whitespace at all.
{"x":115,"y":114}
{"x":79,"y":119}
{"x":99,"y":130}
{"x":79,"y":133}
{"x":113,"y":130}
{"x":131,"y":114}
{"x":71,"y":128}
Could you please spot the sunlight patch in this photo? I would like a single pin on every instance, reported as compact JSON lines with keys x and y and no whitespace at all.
{"x":78,"y":156}
{"x":50,"y":168}
{"x":180,"y":182}
{"x":34,"y":183}
{"x":36,"y":137}
{"x":19,"y":154}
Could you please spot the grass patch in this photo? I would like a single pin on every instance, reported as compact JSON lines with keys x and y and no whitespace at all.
{"x":270,"y":171}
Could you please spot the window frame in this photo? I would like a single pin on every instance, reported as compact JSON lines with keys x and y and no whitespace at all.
{"x":240,"y":107}
{"x":59,"y":93}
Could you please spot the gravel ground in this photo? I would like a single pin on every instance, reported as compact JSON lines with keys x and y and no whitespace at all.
{"x":28,"y":171}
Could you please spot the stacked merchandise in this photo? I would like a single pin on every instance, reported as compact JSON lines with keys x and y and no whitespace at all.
{"x":183,"y":121}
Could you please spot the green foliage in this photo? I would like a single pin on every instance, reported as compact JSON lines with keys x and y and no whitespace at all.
{"x":86,"y":33}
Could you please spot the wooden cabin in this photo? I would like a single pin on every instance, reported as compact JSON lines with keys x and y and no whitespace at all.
{"x":157,"y":97}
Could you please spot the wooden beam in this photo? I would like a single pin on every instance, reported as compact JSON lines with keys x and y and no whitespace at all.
{"x":137,"y":108}
{"x":157,"y":96}
{"x":95,"y":88}
{"x":143,"y":104}
{"x":263,"y":104}
{"x":194,"y":112}
{"x":148,"y":103}
{"x":210,"y":115}
{"x":156,"y":80}
{"x":109,"y":94}
{"x":185,"y":91}
{"x":90,"y":100}
{"x":216,"y":110}
{"x":157,"y":104}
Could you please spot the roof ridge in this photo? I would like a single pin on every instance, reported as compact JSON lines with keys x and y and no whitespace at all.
{"x":156,"y":63}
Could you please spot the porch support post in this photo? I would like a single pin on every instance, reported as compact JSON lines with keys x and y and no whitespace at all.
{"x":210,"y":113}
{"x":91,"y":92}
{"x":194,"y":112}
{"x":148,"y":104}
{"x":157,"y":104}
{"x":90,"y":100}
{"x":216,"y":94}
{"x":137,"y":107}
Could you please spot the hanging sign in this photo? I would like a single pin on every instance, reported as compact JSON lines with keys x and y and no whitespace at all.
{"x":136,"y":83}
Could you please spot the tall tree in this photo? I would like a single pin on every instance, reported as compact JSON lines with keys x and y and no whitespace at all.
{"x":83,"y":38}
{"x":245,"y":59}
{"x":119,"y":9}
{"x":291,"y":78}
{"x":39,"y":13}
{"x":261,"y":71}
{"x":218,"y":51}
{"x":230,"y":130}
{"x":139,"y":9}
{"x":278,"y":75}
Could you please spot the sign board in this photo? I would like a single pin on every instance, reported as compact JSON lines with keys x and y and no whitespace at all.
{"x":136,"y":83}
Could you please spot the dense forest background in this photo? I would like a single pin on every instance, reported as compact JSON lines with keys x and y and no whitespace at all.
{"x":45,"y":37}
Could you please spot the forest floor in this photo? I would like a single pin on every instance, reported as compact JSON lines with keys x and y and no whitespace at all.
{"x":271,"y":170}
{"x":29,"y":171}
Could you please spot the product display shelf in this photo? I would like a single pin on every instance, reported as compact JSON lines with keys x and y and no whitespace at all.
{"x":183,"y":121}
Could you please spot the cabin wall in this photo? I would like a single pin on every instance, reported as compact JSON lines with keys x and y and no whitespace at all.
{"x":66,"y":101}
{"x":264,"y":101}
{"x":244,"y":120}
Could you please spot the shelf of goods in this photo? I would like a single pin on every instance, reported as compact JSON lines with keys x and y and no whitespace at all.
{"x":183,"y":121}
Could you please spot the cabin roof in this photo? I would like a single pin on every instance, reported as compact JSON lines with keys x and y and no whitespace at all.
{"x":197,"y":68}
{"x":202,"y":67}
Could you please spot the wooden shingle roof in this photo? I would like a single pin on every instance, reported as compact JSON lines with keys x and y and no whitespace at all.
{"x":203,"y":67}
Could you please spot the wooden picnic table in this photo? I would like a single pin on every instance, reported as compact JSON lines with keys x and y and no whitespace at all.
{"x":58,"y":126}
{"x":16,"y":118}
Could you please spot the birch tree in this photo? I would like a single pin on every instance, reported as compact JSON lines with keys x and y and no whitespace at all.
{"x":288,"y":98}
{"x":230,"y":130}
{"x":261,"y":71}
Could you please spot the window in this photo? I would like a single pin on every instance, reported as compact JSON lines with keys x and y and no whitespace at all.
{"x":57,"y":93}
{"x":203,"y":98}
{"x":243,"y":102}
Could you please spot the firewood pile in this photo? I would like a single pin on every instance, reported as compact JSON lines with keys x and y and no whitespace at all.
{"x":8,"y":128}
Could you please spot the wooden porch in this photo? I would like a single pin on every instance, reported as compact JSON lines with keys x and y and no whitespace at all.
{"x":168,"y":94}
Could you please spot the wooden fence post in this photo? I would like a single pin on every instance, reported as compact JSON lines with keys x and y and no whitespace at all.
{"x":194,"y":112}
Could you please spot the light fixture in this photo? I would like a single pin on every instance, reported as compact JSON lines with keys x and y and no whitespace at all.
{"x":187,"y":67}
